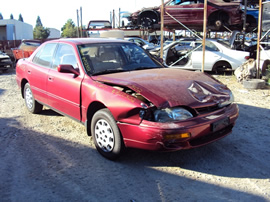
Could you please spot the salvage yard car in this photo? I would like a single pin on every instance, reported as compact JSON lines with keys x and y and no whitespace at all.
{"x":26,"y":48}
{"x":5,"y":62}
{"x":124,"y":97}
{"x":188,"y":55}
{"x":141,"y":42}
{"x":191,"y":14}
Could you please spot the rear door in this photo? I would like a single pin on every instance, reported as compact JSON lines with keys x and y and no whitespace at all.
{"x":64,"y":88}
{"x":212,"y":55}
{"x":37,"y":71}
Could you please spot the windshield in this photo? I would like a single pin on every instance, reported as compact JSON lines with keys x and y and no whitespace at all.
{"x":224,"y":43}
{"x":99,"y":24}
{"x":114,"y":57}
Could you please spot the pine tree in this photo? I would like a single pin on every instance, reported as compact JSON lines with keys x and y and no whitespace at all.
{"x":40,"y":32}
{"x":20,"y":18}
{"x":69,"y":30}
{"x":38,"y":22}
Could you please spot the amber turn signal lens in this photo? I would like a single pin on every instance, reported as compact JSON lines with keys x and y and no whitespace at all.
{"x":177,"y":136}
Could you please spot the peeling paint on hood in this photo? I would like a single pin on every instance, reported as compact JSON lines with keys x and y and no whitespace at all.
{"x":171,"y":87}
{"x":206,"y":94}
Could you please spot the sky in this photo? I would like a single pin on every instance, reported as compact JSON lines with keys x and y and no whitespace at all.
{"x":55,"y":13}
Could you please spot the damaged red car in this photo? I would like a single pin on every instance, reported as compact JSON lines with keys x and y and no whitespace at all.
{"x":191,"y":13}
{"x":124,"y":97}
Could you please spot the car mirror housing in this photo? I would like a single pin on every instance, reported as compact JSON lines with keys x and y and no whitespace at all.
{"x":68,"y":69}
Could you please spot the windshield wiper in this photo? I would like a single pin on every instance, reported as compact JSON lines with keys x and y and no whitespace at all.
{"x":108,"y":71}
{"x":141,"y":68}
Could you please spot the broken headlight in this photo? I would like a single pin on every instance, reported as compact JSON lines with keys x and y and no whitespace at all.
{"x":227,"y":102}
{"x":172,"y":114}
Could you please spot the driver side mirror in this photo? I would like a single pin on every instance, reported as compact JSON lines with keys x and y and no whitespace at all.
{"x":68,"y":69}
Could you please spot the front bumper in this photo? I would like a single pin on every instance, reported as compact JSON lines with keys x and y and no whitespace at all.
{"x":5,"y":65}
{"x":151,"y":135}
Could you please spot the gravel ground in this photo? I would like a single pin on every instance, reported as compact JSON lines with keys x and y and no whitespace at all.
{"x":49,"y":157}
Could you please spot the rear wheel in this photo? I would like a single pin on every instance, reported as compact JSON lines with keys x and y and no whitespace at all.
{"x":32,"y":105}
{"x":148,"y":20}
{"x":218,"y":20}
{"x":221,"y":66}
{"x":106,"y":135}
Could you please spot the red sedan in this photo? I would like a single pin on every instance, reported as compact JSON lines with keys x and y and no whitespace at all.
{"x":191,"y":14}
{"x":124,"y":97}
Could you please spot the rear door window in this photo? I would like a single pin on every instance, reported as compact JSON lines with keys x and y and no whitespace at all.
{"x":44,"y":56}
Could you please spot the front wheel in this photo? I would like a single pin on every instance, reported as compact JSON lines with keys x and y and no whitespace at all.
{"x":106,"y":135}
{"x":32,"y":105}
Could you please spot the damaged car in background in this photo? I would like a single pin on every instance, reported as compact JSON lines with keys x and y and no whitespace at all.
{"x":188,"y":55}
{"x":190,"y":13}
{"x":25,"y":49}
{"x":5,"y":62}
{"x":141,"y":42}
{"x":124,"y":97}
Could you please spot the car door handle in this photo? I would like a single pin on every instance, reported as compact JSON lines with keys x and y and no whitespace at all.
{"x":50,"y":78}
{"x":29,"y":72}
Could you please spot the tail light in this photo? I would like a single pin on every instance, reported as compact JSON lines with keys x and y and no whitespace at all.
{"x":247,"y":57}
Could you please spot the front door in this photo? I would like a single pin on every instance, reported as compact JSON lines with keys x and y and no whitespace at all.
{"x":64,"y":88}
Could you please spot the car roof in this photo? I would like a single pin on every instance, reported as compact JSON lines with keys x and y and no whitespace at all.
{"x":79,"y":41}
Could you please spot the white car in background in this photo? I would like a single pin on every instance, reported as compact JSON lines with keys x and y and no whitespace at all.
{"x":189,"y":55}
{"x":141,"y":42}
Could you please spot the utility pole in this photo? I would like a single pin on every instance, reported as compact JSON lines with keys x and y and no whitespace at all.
{"x":78,"y":24}
{"x":119,"y":25}
{"x":113,"y":19}
{"x":259,"y":38}
{"x":81,"y":23}
{"x":162,"y":29}
{"x":204,"y":32}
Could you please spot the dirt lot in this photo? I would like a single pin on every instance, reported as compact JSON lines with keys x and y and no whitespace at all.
{"x":49,"y":157}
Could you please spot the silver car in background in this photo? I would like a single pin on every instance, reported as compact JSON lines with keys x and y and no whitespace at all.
{"x":188,"y":55}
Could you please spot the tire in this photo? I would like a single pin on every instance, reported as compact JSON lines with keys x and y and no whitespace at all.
{"x":148,"y":20}
{"x":106,"y":135}
{"x":221,"y":66}
{"x":218,"y":19}
{"x":31,"y":104}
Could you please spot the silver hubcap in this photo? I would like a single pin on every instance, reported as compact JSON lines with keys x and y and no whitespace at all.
{"x":29,"y":98}
{"x":104,"y":135}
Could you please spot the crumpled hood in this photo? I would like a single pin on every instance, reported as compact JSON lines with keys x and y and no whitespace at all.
{"x":168,"y":87}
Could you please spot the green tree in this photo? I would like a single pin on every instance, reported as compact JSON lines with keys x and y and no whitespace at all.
{"x":1,"y":16}
{"x":20,"y":18}
{"x":69,"y":30}
{"x":38,"y":22}
{"x":11,"y":16}
{"x":40,"y":32}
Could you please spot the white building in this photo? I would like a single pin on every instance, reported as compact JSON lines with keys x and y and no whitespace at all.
{"x":15,"y":30}
{"x":54,"y":33}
